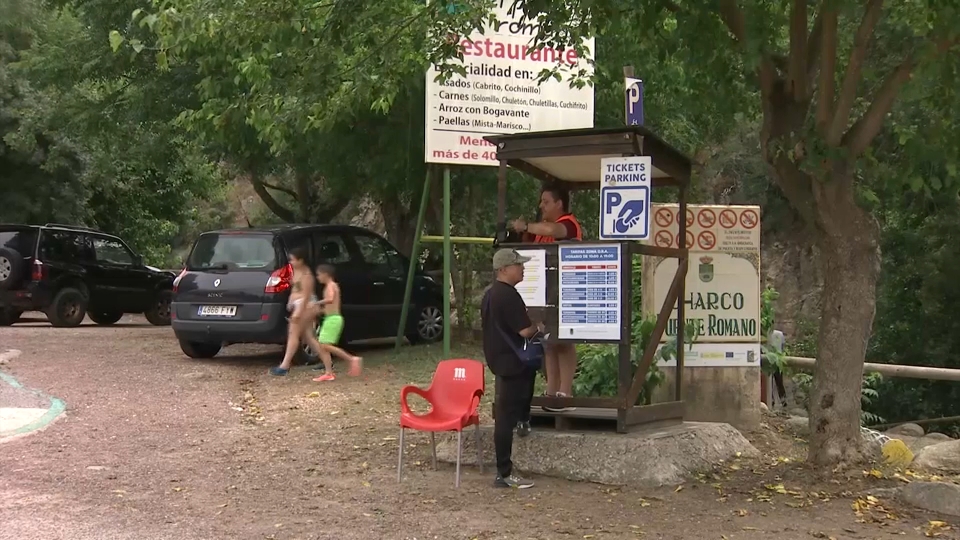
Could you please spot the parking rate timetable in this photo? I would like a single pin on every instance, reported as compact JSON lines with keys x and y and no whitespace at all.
{"x":590,"y":292}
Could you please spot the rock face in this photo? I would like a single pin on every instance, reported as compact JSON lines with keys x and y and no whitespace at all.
{"x":910,"y":430}
{"x":799,"y":425}
{"x":943,"y":457}
{"x":933,"y":496}
{"x":654,"y":457}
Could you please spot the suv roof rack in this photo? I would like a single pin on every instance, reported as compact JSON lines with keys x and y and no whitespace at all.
{"x":74,"y":227}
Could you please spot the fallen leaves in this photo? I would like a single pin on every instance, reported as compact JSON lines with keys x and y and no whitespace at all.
{"x":935,"y":528}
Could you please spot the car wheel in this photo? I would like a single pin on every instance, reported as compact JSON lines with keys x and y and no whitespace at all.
{"x":159,"y":313}
{"x":68,"y":308}
{"x":199,"y":350}
{"x":429,"y":325}
{"x":9,"y":316}
{"x":11,"y":267}
{"x":105,"y":318}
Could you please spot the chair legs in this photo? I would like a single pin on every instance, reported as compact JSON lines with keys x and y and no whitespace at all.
{"x":400,"y":459}
{"x":459,"y":451}
{"x":433,"y":446}
{"x":479,"y":450}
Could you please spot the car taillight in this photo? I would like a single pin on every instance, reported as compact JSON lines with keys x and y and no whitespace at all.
{"x":39,"y":271}
{"x":176,"y":281}
{"x":280,"y":280}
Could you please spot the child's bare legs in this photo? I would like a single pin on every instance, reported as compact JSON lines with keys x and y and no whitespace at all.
{"x":355,"y":361}
{"x":293,"y":342}
{"x":311,"y":339}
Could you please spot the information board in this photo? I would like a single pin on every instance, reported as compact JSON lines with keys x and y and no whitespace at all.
{"x":533,"y":288}
{"x":589,"y":292}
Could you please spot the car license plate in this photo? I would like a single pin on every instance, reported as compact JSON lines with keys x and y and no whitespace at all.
{"x":218,"y":311}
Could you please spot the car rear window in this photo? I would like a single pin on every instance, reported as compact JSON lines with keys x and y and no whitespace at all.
{"x":21,"y":240}
{"x":233,"y":252}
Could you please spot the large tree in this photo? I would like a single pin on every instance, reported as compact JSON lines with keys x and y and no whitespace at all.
{"x":827,"y":75}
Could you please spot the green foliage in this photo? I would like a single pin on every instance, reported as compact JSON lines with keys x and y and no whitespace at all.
{"x":598,"y":365}
{"x":82,"y":141}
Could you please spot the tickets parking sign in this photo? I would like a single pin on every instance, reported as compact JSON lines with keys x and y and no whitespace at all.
{"x":625,"y":187}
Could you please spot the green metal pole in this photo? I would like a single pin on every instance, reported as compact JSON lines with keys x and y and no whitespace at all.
{"x":446,"y":261}
{"x":414,"y":255}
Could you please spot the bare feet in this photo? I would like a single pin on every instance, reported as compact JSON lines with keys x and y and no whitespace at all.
{"x":356,"y":366}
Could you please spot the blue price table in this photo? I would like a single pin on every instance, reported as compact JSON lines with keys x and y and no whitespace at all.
{"x":590,"y":292}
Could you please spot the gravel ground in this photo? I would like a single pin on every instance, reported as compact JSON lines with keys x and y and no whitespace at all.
{"x":157,"y":446}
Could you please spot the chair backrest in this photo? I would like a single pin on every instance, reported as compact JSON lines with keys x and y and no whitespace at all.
{"x":456,"y":383}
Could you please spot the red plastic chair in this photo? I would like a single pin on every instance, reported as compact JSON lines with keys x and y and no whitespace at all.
{"x":454,"y":397}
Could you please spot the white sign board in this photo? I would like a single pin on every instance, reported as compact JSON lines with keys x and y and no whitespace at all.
{"x":533,"y":288}
{"x":709,"y":227}
{"x":625,"y":188}
{"x":500,"y":93}
{"x":718,"y":355}
{"x":589,"y":291}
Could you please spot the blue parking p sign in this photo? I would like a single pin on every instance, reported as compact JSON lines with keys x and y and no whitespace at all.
{"x":625,"y":186}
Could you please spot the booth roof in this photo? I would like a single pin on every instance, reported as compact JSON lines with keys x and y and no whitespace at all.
{"x":574,"y":155}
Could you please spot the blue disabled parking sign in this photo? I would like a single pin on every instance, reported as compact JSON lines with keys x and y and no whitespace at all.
{"x":625,"y":186}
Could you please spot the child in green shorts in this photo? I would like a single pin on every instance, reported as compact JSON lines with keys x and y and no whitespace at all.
{"x":332,"y":327}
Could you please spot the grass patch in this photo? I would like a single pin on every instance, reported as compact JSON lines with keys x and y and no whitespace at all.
{"x":415,"y":364}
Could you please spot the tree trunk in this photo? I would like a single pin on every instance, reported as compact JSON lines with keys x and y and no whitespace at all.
{"x":849,"y":242}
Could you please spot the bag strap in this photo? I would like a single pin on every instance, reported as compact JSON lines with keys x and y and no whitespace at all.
{"x":506,"y":337}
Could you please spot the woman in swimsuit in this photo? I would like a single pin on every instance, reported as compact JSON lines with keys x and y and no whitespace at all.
{"x":303,"y":307}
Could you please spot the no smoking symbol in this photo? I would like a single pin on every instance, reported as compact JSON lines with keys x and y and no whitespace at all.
{"x":664,"y":238}
{"x":663,"y":217}
{"x":728,"y":218}
{"x":706,"y":240}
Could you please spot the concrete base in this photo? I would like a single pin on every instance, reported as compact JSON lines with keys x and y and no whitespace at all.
{"x":645,"y":457}
{"x":14,"y":418}
{"x":716,"y":394}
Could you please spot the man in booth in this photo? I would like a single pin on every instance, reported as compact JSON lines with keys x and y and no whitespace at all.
{"x":557,"y":223}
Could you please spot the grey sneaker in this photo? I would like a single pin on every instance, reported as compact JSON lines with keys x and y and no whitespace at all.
{"x":523,"y":429}
{"x":512,"y":481}
{"x":559,"y":409}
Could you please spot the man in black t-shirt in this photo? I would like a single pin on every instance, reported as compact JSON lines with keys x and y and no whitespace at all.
{"x":504,"y":317}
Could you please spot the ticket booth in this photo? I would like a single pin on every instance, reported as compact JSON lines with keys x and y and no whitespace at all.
{"x":580,"y":278}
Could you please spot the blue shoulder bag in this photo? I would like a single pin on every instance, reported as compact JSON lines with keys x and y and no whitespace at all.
{"x":530,"y":352}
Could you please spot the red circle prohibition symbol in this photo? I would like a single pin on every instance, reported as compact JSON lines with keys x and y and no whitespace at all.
{"x":663,"y":217}
{"x":689,"y":238}
{"x":749,"y":219}
{"x":664,"y":238}
{"x":728,"y":218}
{"x":706,"y":240}
{"x":706,"y":218}
{"x":689,"y":217}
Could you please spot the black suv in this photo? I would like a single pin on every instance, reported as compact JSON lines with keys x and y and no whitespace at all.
{"x":235,"y":286}
{"x":69,"y":272}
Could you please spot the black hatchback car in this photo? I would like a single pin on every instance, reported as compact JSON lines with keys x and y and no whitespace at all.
{"x":236,"y":282}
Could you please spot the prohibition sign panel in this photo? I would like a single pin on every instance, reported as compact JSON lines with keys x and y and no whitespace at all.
{"x":706,"y":218}
{"x":664,"y":238}
{"x":728,"y":219}
{"x":749,"y":219}
{"x":663,"y":217}
{"x":689,"y":217}
{"x":689,"y":240}
{"x":706,"y":240}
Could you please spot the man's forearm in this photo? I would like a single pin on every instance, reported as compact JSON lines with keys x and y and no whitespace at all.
{"x":554,"y":230}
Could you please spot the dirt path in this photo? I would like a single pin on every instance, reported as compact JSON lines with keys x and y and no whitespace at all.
{"x":156,"y":446}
